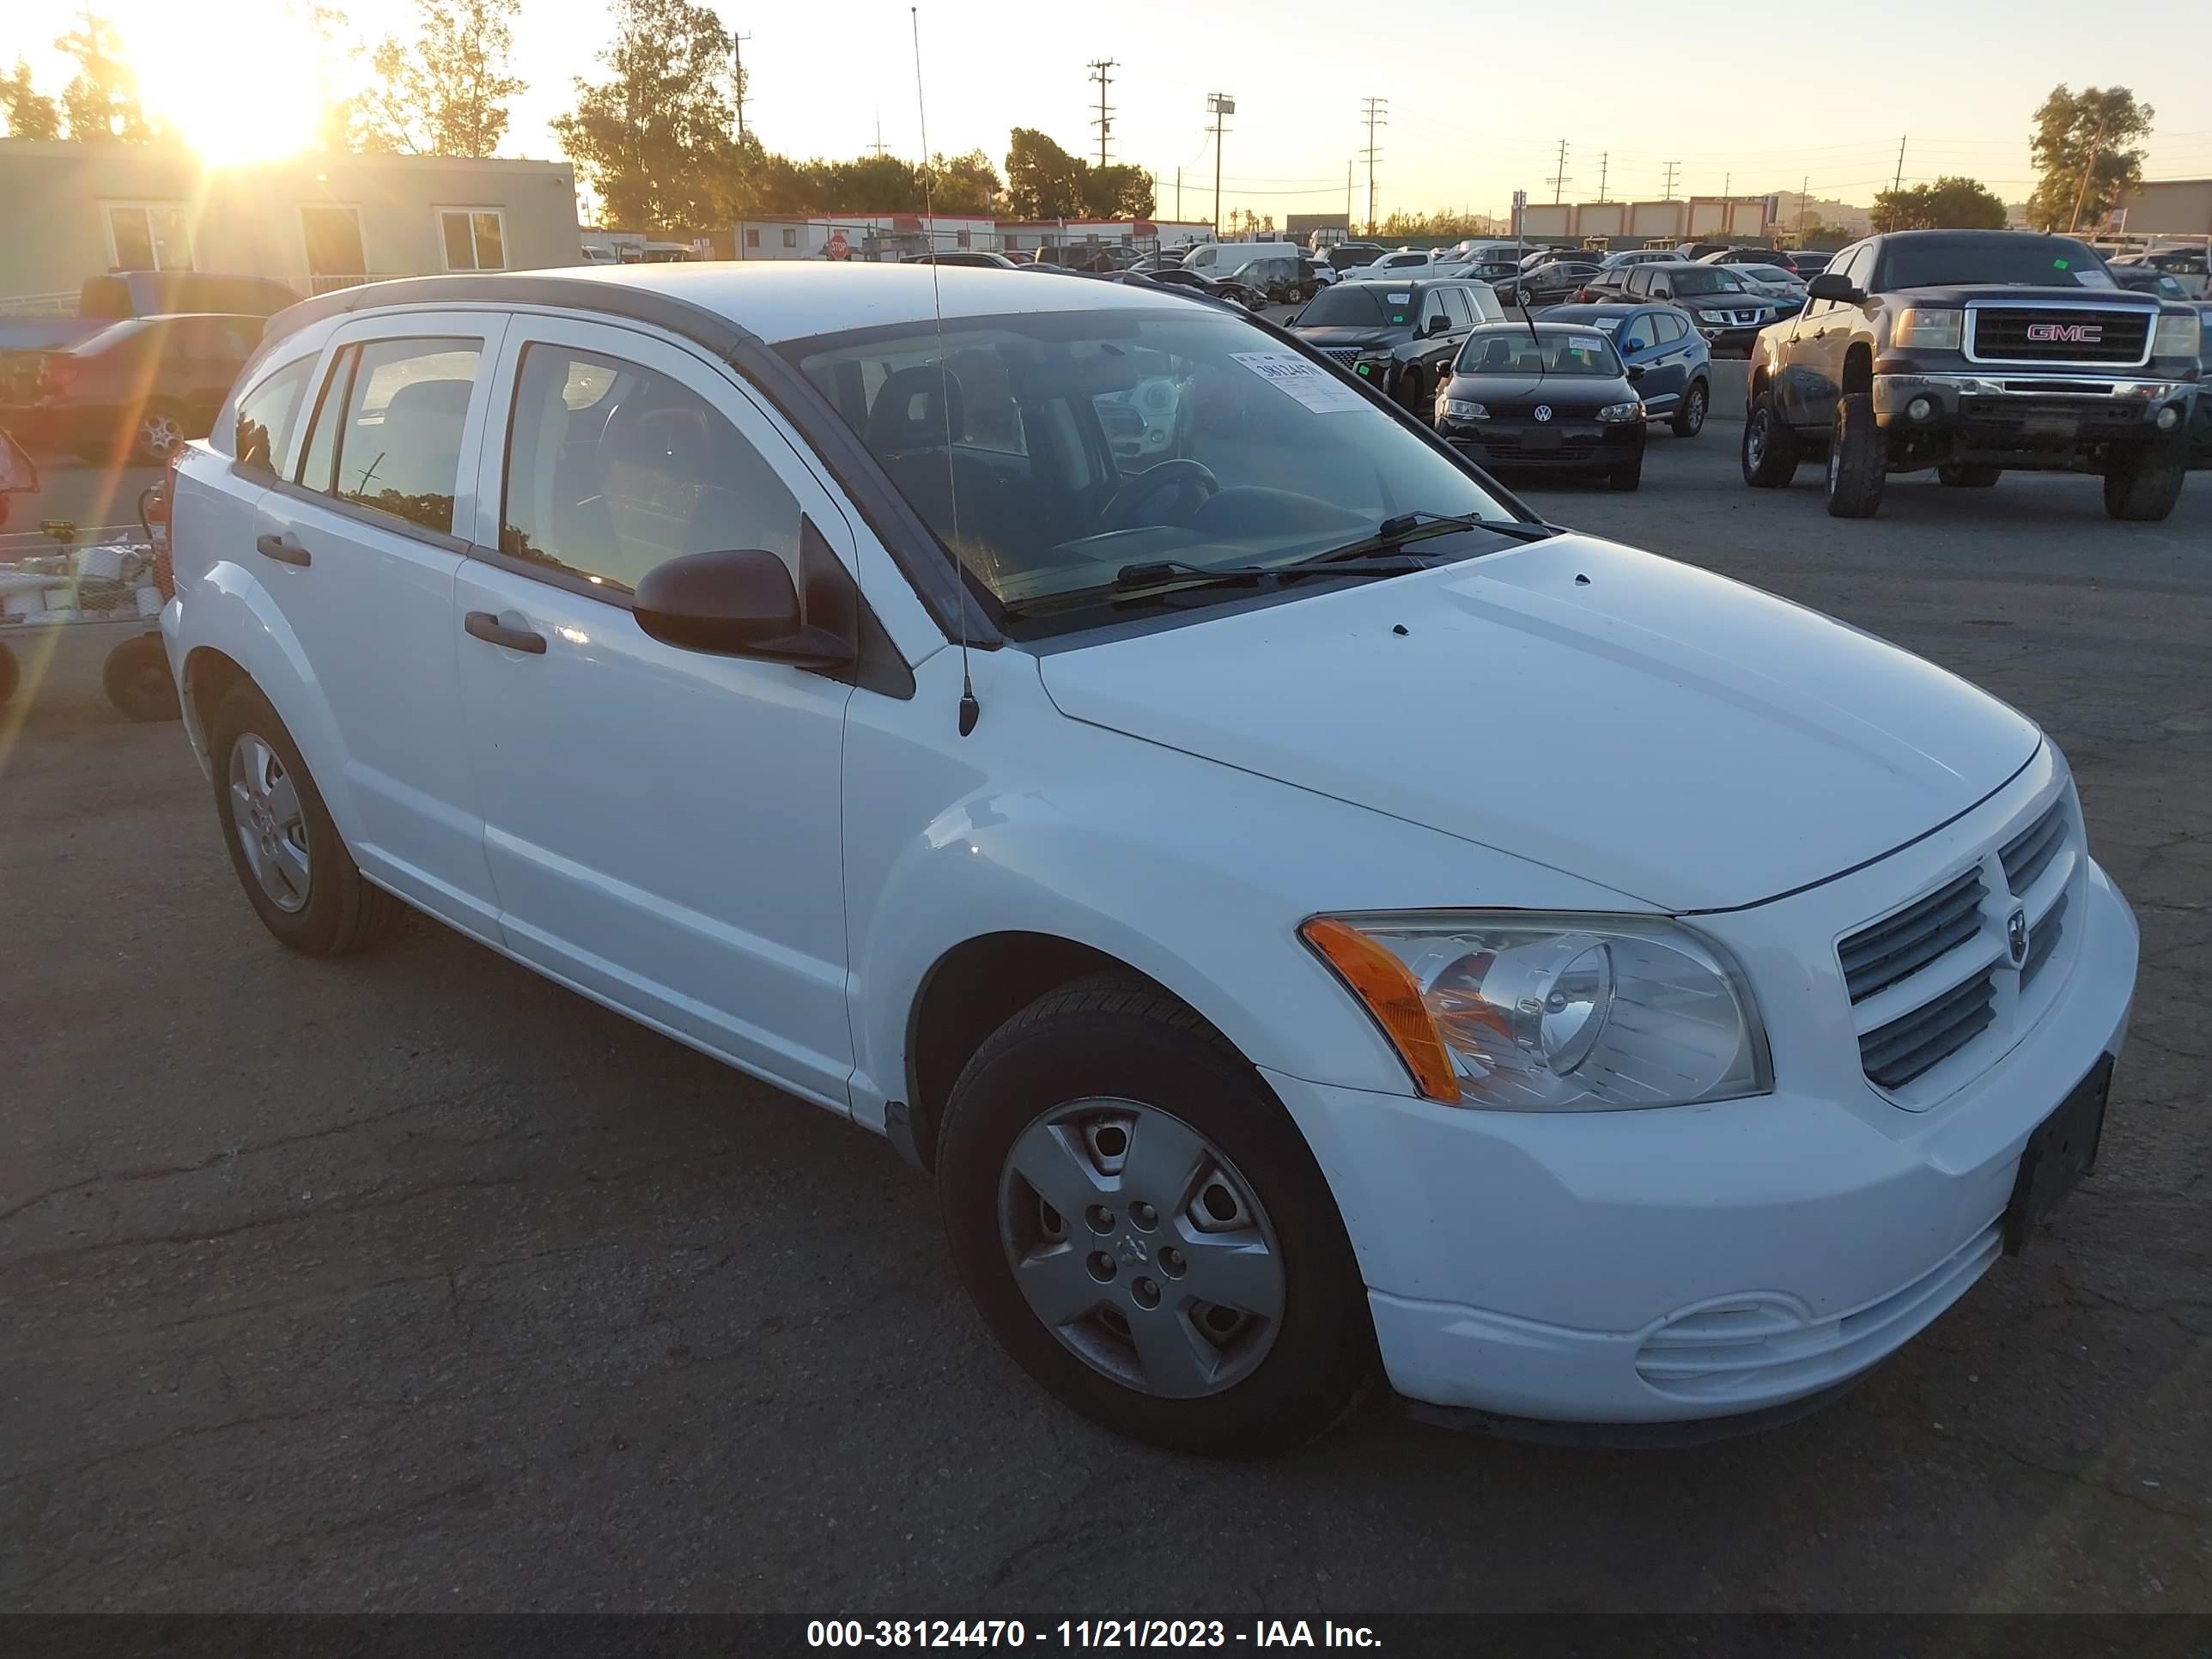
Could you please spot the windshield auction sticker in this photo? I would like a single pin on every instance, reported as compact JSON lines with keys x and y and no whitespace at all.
{"x":1308,"y":383}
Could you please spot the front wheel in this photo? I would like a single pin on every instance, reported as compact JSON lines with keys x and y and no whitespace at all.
{"x":1142,"y":1226}
{"x":137,"y":681}
{"x":2141,"y":484}
{"x":1859,"y":463}
{"x":1771,"y":449}
{"x":1629,"y":476}
{"x":1411,"y":385}
{"x":1689,"y":416}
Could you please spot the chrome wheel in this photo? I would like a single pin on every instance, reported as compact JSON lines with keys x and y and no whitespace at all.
{"x":159,"y":433}
{"x":1754,"y":440}
{"x":1141,"y":1248}
{"x":1693,"y":413}
{"x":266,"y":816}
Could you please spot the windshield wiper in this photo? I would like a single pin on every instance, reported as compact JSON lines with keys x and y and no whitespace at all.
{"x":1168,"y":576}
{"x":1155,"y":571}
{"x":1409,"y":527}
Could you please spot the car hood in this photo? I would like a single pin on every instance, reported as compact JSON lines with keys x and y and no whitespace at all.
{"x":1957,"y":293}
{"x":1564,"y":392}
{"x":1669,"y":733}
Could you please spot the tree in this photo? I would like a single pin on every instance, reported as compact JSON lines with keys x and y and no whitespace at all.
{"x":653,"y":139}
{"x":1118,"y":191}
{"x":1950,"y":204}
{"x":100,"y":104}
{"x":2087,"y":156}
{"x":445,"y":93}
{"x":1043,"y":181}
{"x":965,"y":184}
{"x":31,"y":113}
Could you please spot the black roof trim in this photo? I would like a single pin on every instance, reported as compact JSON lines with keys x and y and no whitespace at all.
{"x":917,"y":552}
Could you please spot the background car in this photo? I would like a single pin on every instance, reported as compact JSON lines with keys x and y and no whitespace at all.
{"x":2148,"y":279}
{"x":1553,"y":397}
{"x":1677,"y":378}
{"x":981,"y":258}
{"x":1774,"y":282}
{"x":136,"y":388}
{"x":1349,"y":256}
{"x":1751,"y":256}
{"x":1809,"y":263}
{"x":1638,"y":256}
{"x":1399,"y":336}
{"x":1231,"y":289}
{"x":1547,"y":285}
{"x":1725,"y":310}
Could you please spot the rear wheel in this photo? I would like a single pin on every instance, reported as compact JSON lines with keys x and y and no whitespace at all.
{"x":1690,"y":414}
{"x":1771,"y":449}
{"x":1144,"y":1229}
{"x":1411,"y":386}
{"x":2142,"y":483}
{"x":1968,"y":475}
{"x":160,"y":429}
{"x":282,"y":843}
{"x":137,"y":681}
{"x":1858,"y":466}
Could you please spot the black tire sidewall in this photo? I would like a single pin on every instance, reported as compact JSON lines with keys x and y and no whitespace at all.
{"x":2144,"y":489}
{"x":318,"y":926}
{"x":136,"y":678}
{"x":1703,"y":402}
{"x":1323,"y":1353}
{"x":1778,"y":463}
{"x":1857,"y":468}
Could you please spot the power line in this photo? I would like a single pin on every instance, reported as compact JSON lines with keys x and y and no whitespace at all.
{"x":1376,"y":113}
{"x":1104,"y":119}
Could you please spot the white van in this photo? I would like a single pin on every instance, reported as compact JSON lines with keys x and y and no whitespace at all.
{"x":1219,"y":260}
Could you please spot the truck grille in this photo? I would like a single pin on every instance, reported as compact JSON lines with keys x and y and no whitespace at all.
{"x":1927,"y":980}
{"x":2057,"y":334}
{"x":1345,"y":356}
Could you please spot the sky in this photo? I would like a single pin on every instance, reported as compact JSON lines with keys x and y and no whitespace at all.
{"x":1478,"y":100}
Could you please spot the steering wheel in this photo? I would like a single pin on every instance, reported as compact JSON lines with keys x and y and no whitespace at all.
{"x":1188,"y":478}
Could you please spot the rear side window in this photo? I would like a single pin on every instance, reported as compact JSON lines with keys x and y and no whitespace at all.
{"x":266,"y":414}
{"x":612,"y":469}
{"x":387,"y":435}
{"x":1672,"y":327}
{"x":1455,"y":300}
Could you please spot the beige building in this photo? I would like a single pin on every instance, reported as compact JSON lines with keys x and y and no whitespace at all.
{"x":69,"y":212}
{"x":2167,"y":207}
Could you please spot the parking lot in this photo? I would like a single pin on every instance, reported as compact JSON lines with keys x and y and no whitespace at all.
{"x":412,"y":1281}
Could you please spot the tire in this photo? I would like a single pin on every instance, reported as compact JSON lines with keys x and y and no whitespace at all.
{"x":1858,"y":460}
{"x":1770,"y":446}
{"x":1411,"y":383}
{"x":159,"y":428}
{"x":1048,"y":1091}
{"x":11,"y":675}
{"x":137,"y":681}
{"x":1629,"y":476}
{"x":1690,"y":414}
{"x":2142,"y":483}
{"x":339,"y":911}
{"x":1968,"y":475}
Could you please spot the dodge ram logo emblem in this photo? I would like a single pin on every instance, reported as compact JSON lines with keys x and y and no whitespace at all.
{"x":1543,"y":411}
{"x":2016,"y":937}
{"x":2065,"y":333}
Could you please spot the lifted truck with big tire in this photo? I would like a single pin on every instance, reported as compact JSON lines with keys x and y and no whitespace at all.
{"x":1975,"y":353}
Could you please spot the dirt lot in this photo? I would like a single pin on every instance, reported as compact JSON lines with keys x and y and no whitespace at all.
{"x":413,"y":1282}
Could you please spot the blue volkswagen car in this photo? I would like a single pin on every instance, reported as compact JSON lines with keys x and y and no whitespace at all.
{"x":1677,"y":382}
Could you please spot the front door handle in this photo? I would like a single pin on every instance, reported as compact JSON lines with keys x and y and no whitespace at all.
{"x":285,"y":548}
{"x":483,"y":625}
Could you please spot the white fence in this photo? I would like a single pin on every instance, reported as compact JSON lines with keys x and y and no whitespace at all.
{"x":40,"y":304}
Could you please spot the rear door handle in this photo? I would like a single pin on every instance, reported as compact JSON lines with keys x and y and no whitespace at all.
{"x":483,"y":625}
{"x":285,"y":548}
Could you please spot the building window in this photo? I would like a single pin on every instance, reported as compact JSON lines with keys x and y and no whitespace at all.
{"x":475,"y":238}
{"x":790,"y":238}
{"x":752,"y":236}
{"x":149,"y":236}
{"x":960,"y":239}
{"x":334,"y":241}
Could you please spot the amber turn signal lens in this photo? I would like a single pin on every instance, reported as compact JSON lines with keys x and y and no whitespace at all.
{"x":1381,"y":981}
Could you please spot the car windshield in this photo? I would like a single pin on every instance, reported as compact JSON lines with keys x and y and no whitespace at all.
{"x":1514,"y":350}
{"x":2002,"y":256}
{"x":1710,"y":279}
{"x":1358,"y":305}
{"x":1767,"y":273}
{"x":1085,"y":442}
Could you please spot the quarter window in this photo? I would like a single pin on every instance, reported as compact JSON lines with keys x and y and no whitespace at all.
{"x":475,"y":239}
{"x":613,"y":469}
{"x":1456,"y":307}
{"x":265,"y":416}
{"x":387,"y":436}
{"x":1672,"y":327}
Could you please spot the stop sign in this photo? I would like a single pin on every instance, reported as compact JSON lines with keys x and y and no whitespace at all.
{"x":838,"y":247}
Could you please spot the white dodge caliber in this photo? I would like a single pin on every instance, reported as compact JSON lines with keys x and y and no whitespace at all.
{"x":1315,"y":920}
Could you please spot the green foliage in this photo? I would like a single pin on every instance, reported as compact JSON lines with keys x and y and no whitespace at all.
{"x":653,"y":139}
{"x":30,"y":113}
{"x":100,"y":104}
{"x":445,"y":93}
{"x":2086,"y":155}
{"x":1445,"y":223}
{"x":1949,"y":204}
{"x":1043,"y":181}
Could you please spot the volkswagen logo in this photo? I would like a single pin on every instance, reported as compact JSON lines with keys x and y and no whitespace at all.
{"x":1543,"y":411}
{"x":1132,"y":1251}
{"x":2016,"y":937}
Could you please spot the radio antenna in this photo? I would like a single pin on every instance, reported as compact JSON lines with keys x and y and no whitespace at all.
{"x":970,"y":710}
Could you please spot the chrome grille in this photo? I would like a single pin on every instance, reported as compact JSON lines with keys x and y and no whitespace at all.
{"x":2043,"y":940}
{"x":1895,"y":1054}
{"x":2028,"y":855}
{"x":1876,"y":957}
{"x":1346,"y":355}
{"x":2058,"y":334}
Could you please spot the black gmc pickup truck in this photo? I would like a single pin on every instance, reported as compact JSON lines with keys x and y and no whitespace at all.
{"x":1975,"y":353}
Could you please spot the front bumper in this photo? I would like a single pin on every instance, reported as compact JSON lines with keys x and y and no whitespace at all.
{"x":1731,"y":337}
{"x":2054,"y":420}
{"x":1514,"y":443}
{"x":1589,"y":1266}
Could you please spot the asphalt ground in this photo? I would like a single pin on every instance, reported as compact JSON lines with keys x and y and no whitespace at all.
{"x":414,"y":1282}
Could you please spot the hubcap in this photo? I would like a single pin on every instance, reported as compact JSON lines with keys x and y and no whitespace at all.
{"x":1696,"y":416}
{"x":159,"y":433}
{"x":1141,"y":1248}
{"x":265,"y":810}
{"x":1754,"y":438}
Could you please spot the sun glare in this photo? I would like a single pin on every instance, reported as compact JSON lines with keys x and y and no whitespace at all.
{"x":246,"y":89}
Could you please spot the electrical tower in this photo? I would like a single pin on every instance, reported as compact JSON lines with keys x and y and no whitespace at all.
{"x":1559,"y":180}
{"x":1220,"y":106}
{"x":1673,"y":167}
{"x":1376,"y":112}
{"x":878,"y":147}
{"x":1604,"y":172}
{"x":1101,"y":72}
{"x":737,"y":71}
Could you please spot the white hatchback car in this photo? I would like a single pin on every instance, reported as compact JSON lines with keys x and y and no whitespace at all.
{"x":1310,"y":914}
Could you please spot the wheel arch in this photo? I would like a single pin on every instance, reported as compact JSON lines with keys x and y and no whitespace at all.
{"x":1858,"y":369}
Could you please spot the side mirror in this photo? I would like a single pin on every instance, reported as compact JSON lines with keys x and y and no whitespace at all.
{"x":735,"y":604}
{"x":1636,"y":371}
{"x":1661,"y":291}
{"x":1439,"y":324}
{"x":1833,"y":285}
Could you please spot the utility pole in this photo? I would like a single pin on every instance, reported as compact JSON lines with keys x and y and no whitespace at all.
{"x":1099,"y":72}
{"x":1347,"y":198}
{"x":2096,"y":146}
{"x":1178,"y":195}
{"x":1560,"y":181}
{"x":1673,"y":167}
{"x":879,"y":145}
{"x":1803,"y":185}
{"x":1604,"y":172}
{"x":737,"y":68}
{"x":1728,"y":186}
{"x":1376,"y":113}
{"x":1897,"y":183}
{"x":1220,"y":106}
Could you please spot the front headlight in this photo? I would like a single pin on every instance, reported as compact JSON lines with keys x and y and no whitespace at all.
{"x":2177,"y":337}
{"x":1619,"y":414}
{"x":1928,"y":328}
{"x":1461,"y":409}
{"x":1517,"y":1011}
